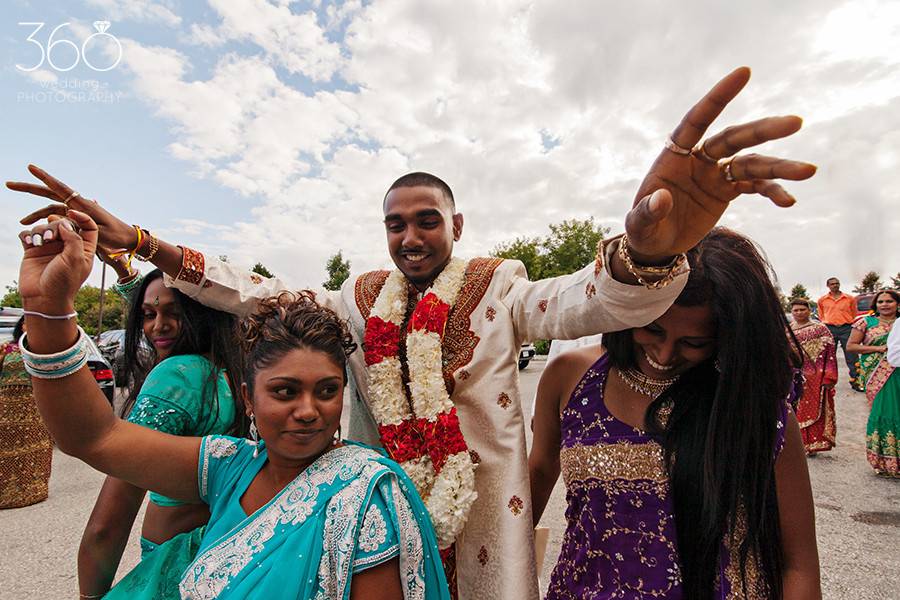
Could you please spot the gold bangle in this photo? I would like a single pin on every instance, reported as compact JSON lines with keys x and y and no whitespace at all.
{"x":668,"y":272}
{"x":154,"y":248}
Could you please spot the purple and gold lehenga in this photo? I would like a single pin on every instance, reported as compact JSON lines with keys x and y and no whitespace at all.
{"x":621,"y":541}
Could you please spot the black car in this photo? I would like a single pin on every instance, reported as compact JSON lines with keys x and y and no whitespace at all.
{"x":99,"y":366}
{"x":112,"y":346}
{"x":101,"y":370}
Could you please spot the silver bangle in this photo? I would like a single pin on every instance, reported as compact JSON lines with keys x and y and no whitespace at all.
{"x":35,"y":313}
{"x":57,"y":365}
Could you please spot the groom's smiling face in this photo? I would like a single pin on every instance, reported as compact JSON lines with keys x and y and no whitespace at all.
{"x":421,"y":228}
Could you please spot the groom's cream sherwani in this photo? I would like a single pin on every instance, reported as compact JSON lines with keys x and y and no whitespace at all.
{"x":497,"y":310}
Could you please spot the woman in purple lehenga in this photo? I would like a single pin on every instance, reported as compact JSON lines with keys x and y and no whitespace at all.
{"x":684,"y":465}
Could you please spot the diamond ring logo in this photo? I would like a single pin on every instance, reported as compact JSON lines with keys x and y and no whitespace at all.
{"x":109,"y":46}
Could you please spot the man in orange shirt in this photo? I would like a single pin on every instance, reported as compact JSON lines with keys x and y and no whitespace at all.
{"x":837,"y":311}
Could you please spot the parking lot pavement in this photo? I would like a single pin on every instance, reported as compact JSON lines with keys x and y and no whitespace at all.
{"x":857,"y":518}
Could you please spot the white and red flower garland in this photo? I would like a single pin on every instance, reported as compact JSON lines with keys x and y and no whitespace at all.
{"x":424,"y":438}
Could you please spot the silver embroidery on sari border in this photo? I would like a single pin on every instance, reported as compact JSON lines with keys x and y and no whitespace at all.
{"x":342,"y":514}
{"x":212,"y":571}
{"x":374,"y":530}
{"x":215,"y":447}
{"x":412,"y":551}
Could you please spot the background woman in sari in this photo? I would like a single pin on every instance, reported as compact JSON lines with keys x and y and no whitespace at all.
{"x":298,"y":514}
{"x":815,"y":409}
{"x":882,"y":383}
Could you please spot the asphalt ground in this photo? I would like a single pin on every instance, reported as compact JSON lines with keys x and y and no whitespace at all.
{"x":857,"y":519}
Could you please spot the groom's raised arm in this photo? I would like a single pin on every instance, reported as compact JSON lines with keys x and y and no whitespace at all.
{"x":228,"y":288}
{"x":586,"y":302}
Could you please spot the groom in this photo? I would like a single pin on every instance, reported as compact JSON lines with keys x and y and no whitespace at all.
{"x":437,"y":383}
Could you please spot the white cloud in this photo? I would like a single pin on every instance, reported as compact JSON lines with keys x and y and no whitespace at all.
{"x":293,"y":40}
{"x":159,"y":11}
{"x":467,"y":90}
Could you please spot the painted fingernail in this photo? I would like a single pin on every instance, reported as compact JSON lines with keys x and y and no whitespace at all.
{"x":37,"y":240}
{"x":27,"y":240}
{"x":68,"y":225}
{"x":48,"y":235}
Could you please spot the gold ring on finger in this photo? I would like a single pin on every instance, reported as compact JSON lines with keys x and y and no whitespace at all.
{"x":72,"y":195}
{"x":726,"y":170}
{"x":673,"y":147}
{"x":700,"y":152}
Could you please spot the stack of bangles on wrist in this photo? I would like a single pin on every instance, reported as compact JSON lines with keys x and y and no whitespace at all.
{"x":152,"y":242}
{"x":137,"y":252}
{"x":666,"y":272}
{"x":57,"y":365}
{"x":126,"y":288}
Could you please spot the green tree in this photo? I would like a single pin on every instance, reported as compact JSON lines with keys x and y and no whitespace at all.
{"x":260,"y":269}
{"x":12,"y":297}
{"x":895,"y":281}
{"x":87,"y":303}
{"x":871,"y":282}
{"x":528,"y":251}
{"x":799,"y":291}
{"x":338,"y":271}
{"x":570,"y":246}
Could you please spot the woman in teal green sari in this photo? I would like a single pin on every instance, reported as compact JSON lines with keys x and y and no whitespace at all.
{"x":882,"y":383}
{"x":295,"y":512}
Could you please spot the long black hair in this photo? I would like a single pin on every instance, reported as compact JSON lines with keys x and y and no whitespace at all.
{"x":204,"y":331}
{"x":720,"y":437}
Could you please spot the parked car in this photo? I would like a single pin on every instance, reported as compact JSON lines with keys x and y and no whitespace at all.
{"x":9,"y":316}
{"x":102,"y":371}
{"x":100,"y":368}
{"x":864,"y":303}
{"x":526,"y":353}
{"x":112,"y":345}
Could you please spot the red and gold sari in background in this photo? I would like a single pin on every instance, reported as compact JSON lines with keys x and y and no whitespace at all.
{"x":815,"y":409}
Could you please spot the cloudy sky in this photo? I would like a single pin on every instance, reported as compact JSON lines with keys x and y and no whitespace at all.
{"x":269,"y":130}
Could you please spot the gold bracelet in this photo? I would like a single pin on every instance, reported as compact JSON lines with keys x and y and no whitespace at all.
{"x":86,"y":596}
{"x":639,"y":272}
{"x":154,"y":248}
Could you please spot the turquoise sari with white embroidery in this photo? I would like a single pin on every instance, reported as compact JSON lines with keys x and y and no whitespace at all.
{"x":350,"y":510}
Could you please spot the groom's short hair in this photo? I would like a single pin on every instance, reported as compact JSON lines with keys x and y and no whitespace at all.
{"x":424,"y":179}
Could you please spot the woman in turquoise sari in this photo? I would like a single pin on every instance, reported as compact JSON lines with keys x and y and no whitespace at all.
{"x":295,"y":512}
{"x":181,"y":366}
{"x":882,"y":383}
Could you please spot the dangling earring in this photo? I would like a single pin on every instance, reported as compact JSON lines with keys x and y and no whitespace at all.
{"x":716,"y":365}
{"x":337,"y":439}
{"x":254,"y":435}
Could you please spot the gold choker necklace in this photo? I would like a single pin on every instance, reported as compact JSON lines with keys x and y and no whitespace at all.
{"x":646,"y":386}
